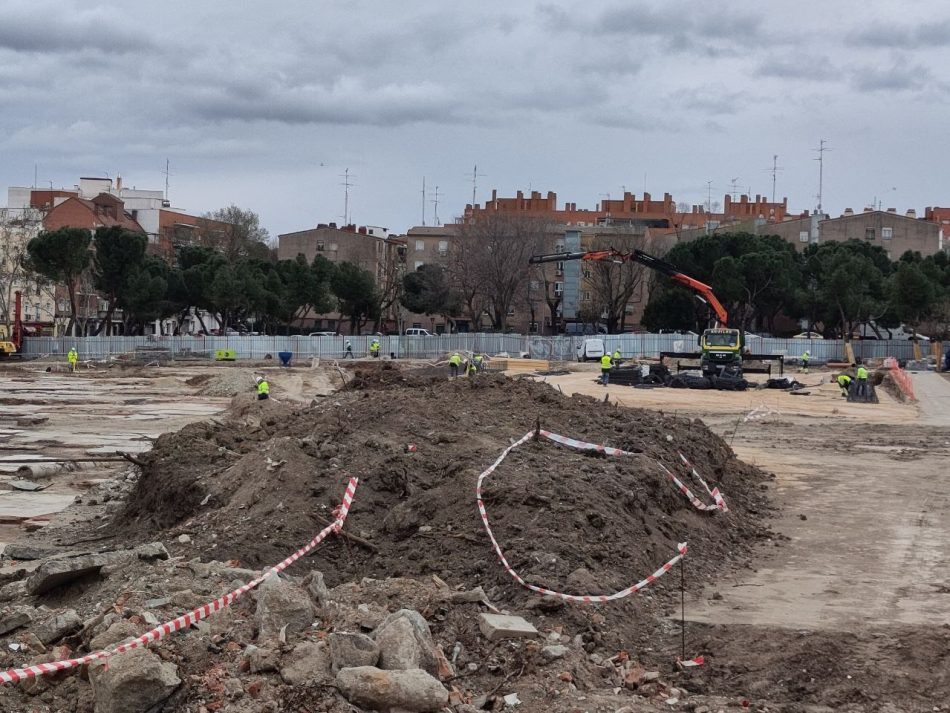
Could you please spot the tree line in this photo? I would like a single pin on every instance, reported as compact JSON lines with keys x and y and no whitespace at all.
{"x":240,"y":289}
{"x":834,"y":286}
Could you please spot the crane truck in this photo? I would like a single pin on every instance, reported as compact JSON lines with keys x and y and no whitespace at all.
{"x":720,"y":346}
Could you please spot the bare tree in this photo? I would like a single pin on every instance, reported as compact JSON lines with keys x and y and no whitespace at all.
{"x":235,"y":233}
{"x":466,"y":269}
{"x":497,"y":248}
{"x":16,"y":230}
{"x":615,"y":285}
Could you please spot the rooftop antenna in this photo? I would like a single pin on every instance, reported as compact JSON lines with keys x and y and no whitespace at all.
{"x":821,"y":169}
{"x":346,"y":195}
{"x":36,"y":169}
{"x":435,"y":202}
{"x":475,"y":175}
{"x":708,"y":197}
{"x":423,"y":200}
{"x":774,"y":170}
{"x":735,"y":191}
{"x":167,"y":173}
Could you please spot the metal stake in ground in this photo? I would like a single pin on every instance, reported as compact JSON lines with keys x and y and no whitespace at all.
{"x":683,"y":609}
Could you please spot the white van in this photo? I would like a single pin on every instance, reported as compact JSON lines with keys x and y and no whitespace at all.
{"x":590,"y":349}
{"x":417,"y":332}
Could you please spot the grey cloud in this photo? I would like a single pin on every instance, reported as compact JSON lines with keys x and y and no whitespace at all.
{"x":897,"y":36}
{"x":816,"y":68}
{"x":56,"y":32}
{"x":897,"y":77}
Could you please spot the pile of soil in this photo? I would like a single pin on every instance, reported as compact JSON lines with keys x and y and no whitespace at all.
{"x":256,"y":488}
{"x":227,"y":382}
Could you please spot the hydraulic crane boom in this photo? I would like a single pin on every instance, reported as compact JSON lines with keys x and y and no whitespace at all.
{"x":702,"y":291}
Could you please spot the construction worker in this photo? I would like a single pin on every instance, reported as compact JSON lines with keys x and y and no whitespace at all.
{"x":805,"y":357}
{"x":455,"y":361}
{"x":479,"y":360}
{"x":844,"y":381}
{"x":470,"y":367}
{"x":605,"y":364}
{"x":348,"y":349}
{"x":616,"y":356}
{"x":72,"y":358}
{"x":862,"y":379}
{"x":263,"y":388}
{"x":374,"y":348}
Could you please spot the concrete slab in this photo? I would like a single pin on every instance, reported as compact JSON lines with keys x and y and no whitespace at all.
{"x":502,"y":626}
{"x":17,"y":506}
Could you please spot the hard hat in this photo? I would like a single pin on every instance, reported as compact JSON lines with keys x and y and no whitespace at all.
{"x":259,"y":379}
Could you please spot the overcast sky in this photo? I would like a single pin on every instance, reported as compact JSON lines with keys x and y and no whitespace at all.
{"x":266,"y":105}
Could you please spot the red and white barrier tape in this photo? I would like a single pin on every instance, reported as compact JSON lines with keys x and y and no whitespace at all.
{"x":580,"y":445}
{"x":719,"y":504}
{"x":689,"y":663}
{"x":14,"y":675}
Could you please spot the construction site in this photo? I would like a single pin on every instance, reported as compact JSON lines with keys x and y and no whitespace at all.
{"x":378,"y":535}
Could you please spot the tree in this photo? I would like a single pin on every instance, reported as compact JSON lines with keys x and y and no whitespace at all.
{"x":613,"y":285}
{"x":62,"y":256}
{"x":304,"y":287}
{"x":144,"y":294}
{"x":235,"y":233}
{"x":497,"y":248}
{"x":465,"y":269}
{"x":356,"y":291}
{"x":914,"y":295}
{"x":428,"y":291}
{"x":15,"y":273}
{"x":119,"y":254}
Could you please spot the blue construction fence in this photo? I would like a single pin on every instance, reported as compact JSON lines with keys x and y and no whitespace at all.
{"x":561,"y":348}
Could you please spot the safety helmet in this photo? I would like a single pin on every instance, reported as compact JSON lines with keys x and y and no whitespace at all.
{"x":259,"y":379}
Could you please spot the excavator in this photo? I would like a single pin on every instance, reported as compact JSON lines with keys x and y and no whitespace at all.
{"x":12,"y":345}
{"x":720,"y":347}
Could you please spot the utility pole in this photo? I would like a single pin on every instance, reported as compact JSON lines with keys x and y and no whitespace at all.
{"x":423,"y":200}
{"x":821,"y":169}
{"x":346,"y":195}
{"x":435,"y":202}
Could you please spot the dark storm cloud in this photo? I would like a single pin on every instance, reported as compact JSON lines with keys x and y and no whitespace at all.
{"x":55,"y":32}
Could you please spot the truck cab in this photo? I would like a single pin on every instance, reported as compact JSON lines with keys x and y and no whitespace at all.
{"x":721,"y":352}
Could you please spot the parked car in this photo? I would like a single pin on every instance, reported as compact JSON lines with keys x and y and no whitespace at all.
{"x":322,"y":334}
{"x":418,"y":332}
{"x":590,"y":349}
{"x":807,"y":335}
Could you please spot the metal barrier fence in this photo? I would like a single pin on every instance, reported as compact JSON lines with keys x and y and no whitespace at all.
{"x":562,"y":348}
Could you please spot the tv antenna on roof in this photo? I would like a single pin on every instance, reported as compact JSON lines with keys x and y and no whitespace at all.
{"x":734,"y":182}
{"x":774,"y":170}
{"x":346,"y":176}
{"x":435,"y":203}
{"x":167,"y":173}
{"x":475,"y":176}
{"x":821,"y":168}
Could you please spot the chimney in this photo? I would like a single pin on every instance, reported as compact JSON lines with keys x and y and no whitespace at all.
{"x":848,"y":211}
{"x":892,"y":210}
{"x":911,"y":213}
{"x":118,"y":184}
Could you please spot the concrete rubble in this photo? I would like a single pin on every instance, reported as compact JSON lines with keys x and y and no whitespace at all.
{"x":135,"y":681}
{"x":412,"y":690}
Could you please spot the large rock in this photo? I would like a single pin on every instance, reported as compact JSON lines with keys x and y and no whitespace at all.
{"x":16,"y":551}
{"x":13,"y":618}
{"x":134,"y":681}
{"x":55,"y":572}
{"x":373,"y":688}
{"x":13,"y":590}
{"x":55,"y":627}
{"x":348,"y":650}
{"x":307,"y":663}
{"x":317,"y":587}
{"x":117,"y":633}
{"x":405,"y":642}
{"x":281,"y":603}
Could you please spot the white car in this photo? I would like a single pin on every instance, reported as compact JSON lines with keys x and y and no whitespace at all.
{"x":417,"y":332}
{"x":808,"y":335}
{"x":322,"y":334}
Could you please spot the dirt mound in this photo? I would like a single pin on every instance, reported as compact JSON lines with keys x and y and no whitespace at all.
{"x":226,"y":382}
{"x":388,"y":375}
{"x":258,"y":486}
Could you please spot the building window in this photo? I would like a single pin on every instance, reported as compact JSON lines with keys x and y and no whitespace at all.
{"x":511,"y":311}
{"x":887,"y":233}
{"x":559,"y":268}
{"x":559,"y":288}
{"x":586,"y":273}
{"x":420,"y":246}
{"x":869,"y":233}
{"x":803,"y":236}
{"x":535,"y":284}
{"x":321,"y":246}
{"x":334,"y":247}
{"x":559,"y":248}
{"x":443,"y":247}
{"x":419,"y":263}
{"x":585,"y":295}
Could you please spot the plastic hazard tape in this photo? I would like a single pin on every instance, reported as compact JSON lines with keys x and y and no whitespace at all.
{"x":585,"y":599}
{"x":719,"y":504}
{"x":14,"y":675}
{"x":690,"y":663}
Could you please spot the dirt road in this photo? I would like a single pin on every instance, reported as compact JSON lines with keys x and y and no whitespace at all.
{"x":867,"y":522}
